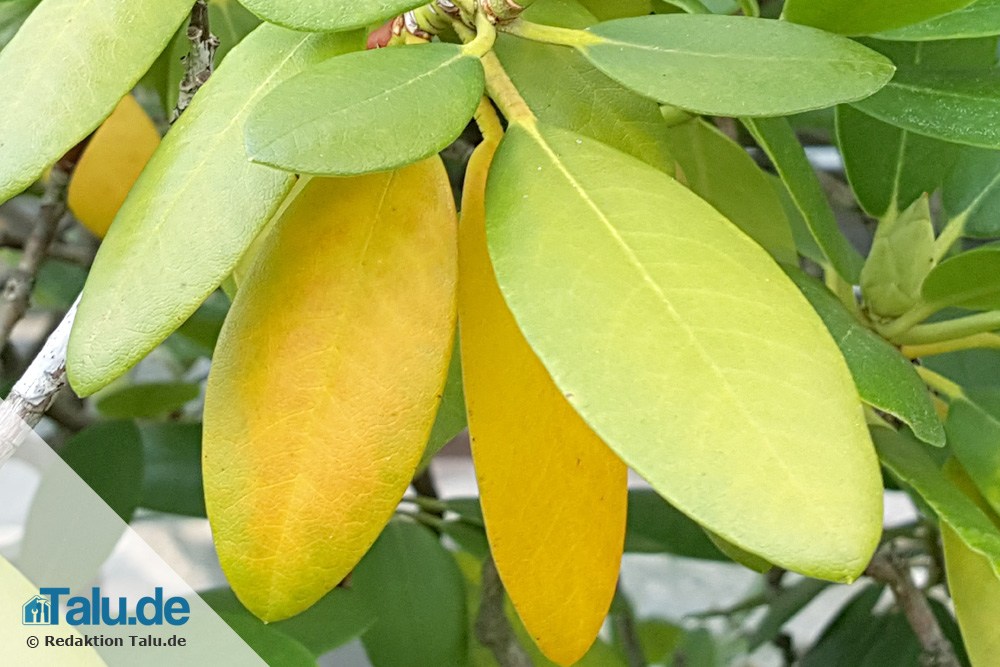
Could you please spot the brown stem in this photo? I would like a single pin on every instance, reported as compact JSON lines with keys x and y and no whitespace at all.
{"x":889,"y":569}
{"x":492,"y":626}
{"x":199,"y":63}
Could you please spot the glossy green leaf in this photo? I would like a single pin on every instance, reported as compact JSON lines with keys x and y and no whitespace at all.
{"x":172,"y":468}
{"x":962,"y":107}
{"x":733,"y":65}
{"x":108,"y":457}
{"x":884,"y":378}
{"x":654,"y":526}
{"x":585,"y":101}
{"x":339,"y":616}
{"x":67,"y":67}
{"x":12,"y":14}
{"x":973,"y":432}
{"x":889,"y":167}
{"x":328,"y":15}
{"x":979,"y":19}
{"x":721,"y":172}
{"x":901,"y":256}
{"x":911,"y":464}
{"x":450,"y":420}
{"x":195,"y":209}
{"x":864,"y":17}
{"x":370,"y":111}
{"x":972,"y":191}
{"x":968,"y":280}
{"x":643,"y":259}
{"x":417,"y":592}
{"x":147,"y":400}
{"x":778,"y":140}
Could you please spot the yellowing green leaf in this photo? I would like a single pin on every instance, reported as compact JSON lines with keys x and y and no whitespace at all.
{"x":370,"y":111}
{"x":326,"y":380}
{"x":192,"y":213}
{"x":864,"y":17}
{"x":553,"y":495}
{"x":328,"y":15}
{"x":65,"y":71}
{"x":973,"y":584}
{"x":110,"y":165}
{"x":902,"y":255}
{"x":706,"y":381}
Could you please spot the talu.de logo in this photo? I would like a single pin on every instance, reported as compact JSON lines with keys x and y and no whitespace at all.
{"x":53,"y":606}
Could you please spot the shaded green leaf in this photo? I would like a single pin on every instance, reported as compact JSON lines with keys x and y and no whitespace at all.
{"x":968,"y":280}
{"x":60,"y":93}
{"x":108,"y":457}
{"x":194,"y":210}
{"x":733,"y":65}
{"x":884,"y":378}
{"x":585,"y":101}
{"x":864,"y":17}
{"x":146,"y":400}
{"x":906,"y":458}
{"x":655,"y":526}
{"x":962,"y":107}
{"x":616,"y":9}
{"x":644,"y":258}
{"x":973,"y":433}
{"x":778,"y":140}
{"x":172,"y":476}
{"x":971,"y":369}
{"x":721,"y":172}
{"x":450,"y":419}
{"x":370,"y":111}
{"x":972,"y":191}
{"x":12,"y":14}
{"x":328,"y":15}
{"x":789,"y":602}
{"x":417,"y":592}
{"x":274,"y":646}
{"x":889,"y":167}
{"x":979,"y":19}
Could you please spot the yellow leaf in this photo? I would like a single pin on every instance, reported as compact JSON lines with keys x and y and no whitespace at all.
{"x":553,"y":495}
{"x":114,"y":158}
{"x":974,"y":586}
{"x":326,"y":381}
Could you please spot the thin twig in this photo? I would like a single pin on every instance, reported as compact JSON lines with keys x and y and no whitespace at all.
{"x":626,"y":631}
{"x":57,"y":249}
{"x":889,"y":569}
{"x":16,"y":292}
{"x":492,"y":626}
{"x":199,"y":63}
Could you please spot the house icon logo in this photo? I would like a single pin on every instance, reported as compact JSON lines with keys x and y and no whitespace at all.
{"x":37,"y":611}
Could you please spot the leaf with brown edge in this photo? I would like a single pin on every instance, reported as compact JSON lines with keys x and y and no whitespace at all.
{"x":554,"y":496}
{"x":326,"y":381}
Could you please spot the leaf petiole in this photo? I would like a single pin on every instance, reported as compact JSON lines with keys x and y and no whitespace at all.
{"x":950,"y":330}
{"x":978,"y":341}
{"x":537,"y":32}
{"x":940,"y":383}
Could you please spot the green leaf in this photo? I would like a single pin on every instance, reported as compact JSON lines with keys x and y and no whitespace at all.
{"x":864,"y":17}
{"x":909,"y":462}
{"x":616,"y":9}
{"x":889,"y":167}
{"x":788,"y":603}
{"x":979,"y":19}
{"x":328,"y":15}
{"x":962,"y":107}
{"x":359,"y":113}
{"x":450,"y":419}
{"x":271,"y":644}
{"x":340,"y":616}
{"x":778,"y":140}
{"x":644,"y":258}
{"x":585,"y":101}
{"x":971,"y":369}
{"x":418,"y":595}
{"x":721,"y":172}
{"x":654,"y":526}
{"x":733,"y":65}
{"x":902,"y":255}
{"x":968,"y":280}
{"x":12,"y":14}
{"x":108,"y":457}
{"x":147,"y":400}
{"x":851,"y":635}
{"x":884,"y":378}
{"x":172,"y":476}
{"x":973,"y":432}
{"x":972,"y":191}
{"x":194,"y":210}
{"x":66,"y":69}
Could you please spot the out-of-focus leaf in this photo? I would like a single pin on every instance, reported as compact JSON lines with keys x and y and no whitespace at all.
{"x":172,"y":461}
{"x":864,"y":17}
{"x":417,"y":593}
{"x":12,"y":14}
{"x":783,"y":608}
{"x":59,"y":92}
{"x":146,"y":400}
{"x":108,"y":457}
{"x":274,"y":646}
{"x":654,"y":526}
{"x":980,"y":19}
{"x":973,"y":433}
